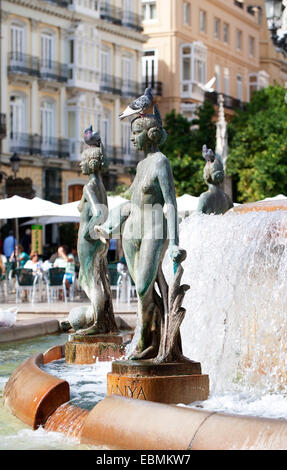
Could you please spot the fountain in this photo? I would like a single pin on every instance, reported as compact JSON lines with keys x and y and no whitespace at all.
{"x":234,"y":268}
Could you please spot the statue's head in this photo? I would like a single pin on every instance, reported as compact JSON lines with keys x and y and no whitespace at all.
{"x":92,"y":160}
{"x":148,"y":131}
{"x":213,"y":171}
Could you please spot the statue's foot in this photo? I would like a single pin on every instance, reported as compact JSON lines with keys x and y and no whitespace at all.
{"x":92,"y":330}
{"x":148,"y":353}
{"x":66,"y":326}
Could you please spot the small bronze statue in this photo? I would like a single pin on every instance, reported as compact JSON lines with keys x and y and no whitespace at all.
{"x":213,"y":201}
{"x":92,"y":249}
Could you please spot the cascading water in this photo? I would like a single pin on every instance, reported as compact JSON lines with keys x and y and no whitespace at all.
{"x":236,"y":308}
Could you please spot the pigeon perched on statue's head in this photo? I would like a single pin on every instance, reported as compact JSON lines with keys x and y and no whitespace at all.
{"x":92,"y":137}
{"x":208,"y":154}
{"x":213,"y":171}
{"x":139,"y":105}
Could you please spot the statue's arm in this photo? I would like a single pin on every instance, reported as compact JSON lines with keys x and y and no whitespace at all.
{"x":127,"y":194}
{"x":95,"y":206}
{"x":165,"y":178}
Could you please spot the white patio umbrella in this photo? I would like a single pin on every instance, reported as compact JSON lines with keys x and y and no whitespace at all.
{"x":16,"y":207}
{"x":186,"y":204}
{"x":66,"y":213}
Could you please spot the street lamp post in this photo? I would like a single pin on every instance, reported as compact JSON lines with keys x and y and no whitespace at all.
{"x":276,"y":16}
{"x":15,"y":163}
{"x":276,"y":23}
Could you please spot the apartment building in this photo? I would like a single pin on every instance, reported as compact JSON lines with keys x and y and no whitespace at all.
{"x":66,"y":64}
{"x":191,"y":41}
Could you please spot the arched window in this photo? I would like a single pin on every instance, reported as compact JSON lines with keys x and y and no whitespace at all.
{"x":48,"y":129}
{"x":47,"y":49}
{"x":105,"y":128}
{"x":19,"y":139}
{"x":17,"y":41}
{"x":17,"y":115}
{"x":128,"y":87}
{"x":47,"y":111}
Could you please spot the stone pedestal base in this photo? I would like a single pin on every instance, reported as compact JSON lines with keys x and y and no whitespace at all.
{"x":90,"y":349}
{"x":163,"y":383}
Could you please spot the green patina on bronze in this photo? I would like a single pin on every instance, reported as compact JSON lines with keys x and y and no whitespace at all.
{"x":98,"y":318}
{"x":213,"y":201}
{"x":147,"y":234}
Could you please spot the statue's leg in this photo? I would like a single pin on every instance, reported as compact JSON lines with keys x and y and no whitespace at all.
{"x":148,"y":262}
{"x":92,"y":285}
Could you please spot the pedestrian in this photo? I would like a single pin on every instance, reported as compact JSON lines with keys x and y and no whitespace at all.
{"x":26,"y":241}
{"x":9,"y":244}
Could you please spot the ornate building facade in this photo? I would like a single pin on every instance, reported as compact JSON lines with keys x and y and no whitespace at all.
{"x":191,"y":41}
{"x":66,"y":64}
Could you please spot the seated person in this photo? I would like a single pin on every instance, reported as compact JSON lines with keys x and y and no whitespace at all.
{"x":34,"y":263}
{"x":22,"y":256}
{"x":65,"y":260}
{"x":62,"y":259}
{"x":2,"y":268}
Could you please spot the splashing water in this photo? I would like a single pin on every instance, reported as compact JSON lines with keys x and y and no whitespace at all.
{"x":236,"y":308}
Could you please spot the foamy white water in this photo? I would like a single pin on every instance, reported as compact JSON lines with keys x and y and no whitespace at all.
{"x":235,"y":322}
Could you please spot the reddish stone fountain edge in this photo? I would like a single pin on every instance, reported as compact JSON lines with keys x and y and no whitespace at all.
{"x":34,"y":396}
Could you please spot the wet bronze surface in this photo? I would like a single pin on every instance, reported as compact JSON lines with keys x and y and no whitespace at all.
{"x":148,"y":368}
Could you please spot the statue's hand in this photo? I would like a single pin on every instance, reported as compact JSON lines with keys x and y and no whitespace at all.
{"x":174,"y":252}
{"x":177,"y":254}
{"x":98,"y":233}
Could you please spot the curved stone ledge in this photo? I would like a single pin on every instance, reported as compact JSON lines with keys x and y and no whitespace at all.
{"x":33,"y":395}
{"x":126,"y":423}
{"x":29,"y":329}
{"x":267,"y":206}
{"x":130,"y":424}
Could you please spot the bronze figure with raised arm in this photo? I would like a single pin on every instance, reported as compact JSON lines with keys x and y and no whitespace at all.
{"x":147,"y":234}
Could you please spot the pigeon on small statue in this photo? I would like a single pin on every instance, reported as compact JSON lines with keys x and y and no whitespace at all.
{"x":208,"y":154}
{"x":139,"y":105}
{"x":91,"y":137}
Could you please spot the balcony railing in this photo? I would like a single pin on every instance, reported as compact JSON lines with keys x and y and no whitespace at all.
{"x":132,"y":20}
{"x":110,"y":13}
{"x":55,"y":71}
{"x":110,"y":84}
{"x":120,"y":86}
{"x":118,"y":16}
{"x":115,"y":155}
{"x":25,"y":64}
{"x":122,"y":156}
{"x":3,"y":127}
{"x":55,"y":148}
{"x":59,"y":3}
{"x":130,"y":88}
{"x":156,"y":87}
{"x":29,"y":144}
{"x":229,"y":101}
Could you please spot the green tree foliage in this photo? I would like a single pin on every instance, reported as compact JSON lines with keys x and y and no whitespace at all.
{"x":257,"y":157}
{"x":183,"y":147}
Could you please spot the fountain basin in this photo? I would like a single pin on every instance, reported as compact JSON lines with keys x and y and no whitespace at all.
{"x":37,"y":398}
{"x":31,"y":394}
{"x":268,"y":206}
